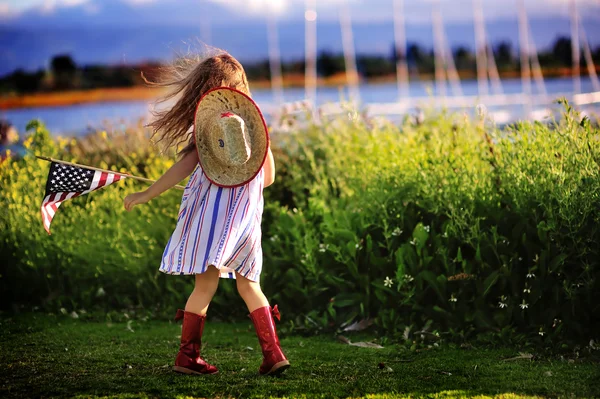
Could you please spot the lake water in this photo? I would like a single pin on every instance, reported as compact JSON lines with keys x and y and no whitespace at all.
{"x":79,"y":119}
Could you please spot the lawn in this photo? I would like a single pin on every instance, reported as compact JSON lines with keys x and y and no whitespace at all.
{"x":57,"y":356}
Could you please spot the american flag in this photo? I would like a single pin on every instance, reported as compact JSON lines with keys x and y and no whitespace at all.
{"x":66,"y":182}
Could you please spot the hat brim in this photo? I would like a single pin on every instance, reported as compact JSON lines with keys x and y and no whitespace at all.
{"x":210,"y":107}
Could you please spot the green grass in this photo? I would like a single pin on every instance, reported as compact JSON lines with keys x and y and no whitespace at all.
{"x":49,"y":356}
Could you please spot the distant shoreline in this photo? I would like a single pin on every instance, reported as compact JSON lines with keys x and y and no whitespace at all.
{"x":140,"y":93}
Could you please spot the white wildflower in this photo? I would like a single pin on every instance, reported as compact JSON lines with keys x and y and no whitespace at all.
{"x":414,"y":241}
{"x":524,"y":305}
{"x":453,"y":298}
{"x":100,"y":292}
{"x":388,"y":282}
{"x":419,"y":117}
{"x":481,"y":111}
{"x":397,"y":232}
{"x":592,"y":344}
{"x":274,"y":238}
{"x":530,"y":275}
{"x":323,"y":247}
{"x":427,"y":228}
{"x":556,"y":322}
{"x":502,"y":303}
{"x":541,"y":333}
{"x":408,"y":277}
{"x":527,"y":290}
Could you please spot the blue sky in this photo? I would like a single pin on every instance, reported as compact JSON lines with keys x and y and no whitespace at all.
{"x":130,"y":31}
{"x":416,"y":11}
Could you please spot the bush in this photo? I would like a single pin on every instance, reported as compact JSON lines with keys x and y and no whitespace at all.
{"x":96,"y":255}
{"x":445,"y":227}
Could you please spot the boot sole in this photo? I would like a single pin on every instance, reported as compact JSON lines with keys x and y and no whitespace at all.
{"x":184,"y":370}
{"x":279,"y":368}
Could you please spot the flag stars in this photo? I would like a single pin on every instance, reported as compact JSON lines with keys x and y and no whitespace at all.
{"x":69,"y":179}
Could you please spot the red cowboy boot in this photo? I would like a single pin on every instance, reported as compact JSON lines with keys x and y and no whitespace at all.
{"x":188,"y":360}
{"x":274,"y":361}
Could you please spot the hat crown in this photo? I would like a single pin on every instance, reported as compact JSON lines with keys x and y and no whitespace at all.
{"x":232,"y":143}
{"x":231,"y":137}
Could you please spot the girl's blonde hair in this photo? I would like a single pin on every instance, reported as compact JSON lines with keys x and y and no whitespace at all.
{"x":188,"y":79}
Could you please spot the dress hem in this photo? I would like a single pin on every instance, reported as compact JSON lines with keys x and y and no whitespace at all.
{"x":223,"y":274}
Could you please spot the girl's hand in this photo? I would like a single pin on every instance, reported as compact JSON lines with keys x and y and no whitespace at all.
{"x":135,"y":199}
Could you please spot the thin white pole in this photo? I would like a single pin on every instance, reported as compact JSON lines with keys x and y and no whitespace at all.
{"x":274,"y":59}
{"x":524,"y":50}
{"x":400,"y":46}
{"x":486,"y":64}
{"x":575,"y":49}
{"x":349,"y":54}
{"x":480,"y":48}
{"x":451,"y":67}
{"x":589,"y":61}
{"x":446,"y":53}
{"x":493,"y":72}
{"x":310,"y":26}
{"x":438,"y":50}
{"x":535,"y":64}
{"x":537,"y":70}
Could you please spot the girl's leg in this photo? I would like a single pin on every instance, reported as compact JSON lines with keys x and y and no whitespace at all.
{"x":188,"y":359}
{"x":204,"y":290}
{"x":274,"y":361}
{"x":251,"y":293}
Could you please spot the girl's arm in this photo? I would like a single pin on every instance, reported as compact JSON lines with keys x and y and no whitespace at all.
{"x":182,"y":169}
{"x":269,"y":169}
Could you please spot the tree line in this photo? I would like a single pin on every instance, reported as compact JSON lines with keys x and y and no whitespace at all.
{"x":65,"y":74}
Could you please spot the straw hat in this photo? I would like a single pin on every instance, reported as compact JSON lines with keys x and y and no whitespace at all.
{"x":231,"y":137}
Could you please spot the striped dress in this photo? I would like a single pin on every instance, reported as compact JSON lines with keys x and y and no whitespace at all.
{"x":217,"y":226}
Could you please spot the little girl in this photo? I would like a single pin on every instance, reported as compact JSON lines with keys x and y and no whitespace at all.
{"x":218,"y":229}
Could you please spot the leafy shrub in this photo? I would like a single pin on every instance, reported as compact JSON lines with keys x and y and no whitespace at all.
{"x":448,"y":227}
{"x":445,"y":226}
